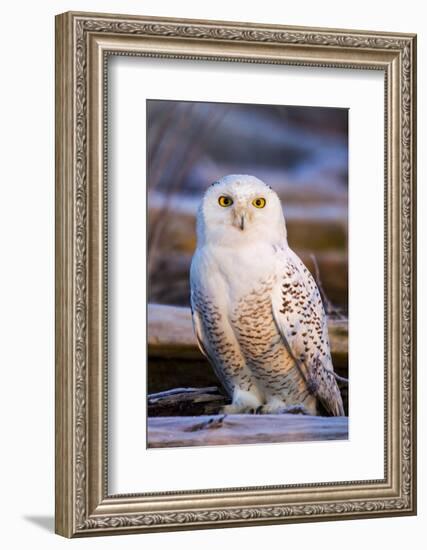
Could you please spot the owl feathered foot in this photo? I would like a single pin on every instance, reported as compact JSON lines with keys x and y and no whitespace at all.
{"x":290,"y":409}
{"x":238,"y":409}
{"x":244,"y":402}
{"x":265,"y":409}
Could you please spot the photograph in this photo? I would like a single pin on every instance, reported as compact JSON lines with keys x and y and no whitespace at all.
{"x":247,"y":273}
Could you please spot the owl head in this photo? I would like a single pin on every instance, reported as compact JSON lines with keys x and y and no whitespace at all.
{"x":240,"y":209}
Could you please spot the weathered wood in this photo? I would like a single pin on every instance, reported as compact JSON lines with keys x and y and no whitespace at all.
{"x":186,"y":402}
{"x":187,"y":431}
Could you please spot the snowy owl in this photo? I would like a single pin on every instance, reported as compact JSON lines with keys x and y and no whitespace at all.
{"x":257,"y":311}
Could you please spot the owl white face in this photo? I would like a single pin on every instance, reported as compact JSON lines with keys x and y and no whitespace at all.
{"x":240,"y":209}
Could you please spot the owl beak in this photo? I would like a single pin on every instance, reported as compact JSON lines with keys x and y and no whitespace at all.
{"x":240,"y":217}
{"x":239,"y":221}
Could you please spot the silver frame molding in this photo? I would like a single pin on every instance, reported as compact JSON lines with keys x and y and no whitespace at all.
{"x":83,"y":43}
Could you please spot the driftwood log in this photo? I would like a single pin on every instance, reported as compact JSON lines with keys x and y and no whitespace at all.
{"x":186,"y":402}
{"x":185,"y":417}
{"x":187,"y":431}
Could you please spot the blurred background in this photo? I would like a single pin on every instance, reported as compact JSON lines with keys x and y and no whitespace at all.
{"x":301,"y":152}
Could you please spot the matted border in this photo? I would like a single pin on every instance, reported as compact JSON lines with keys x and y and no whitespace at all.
{"x":83,"y":42}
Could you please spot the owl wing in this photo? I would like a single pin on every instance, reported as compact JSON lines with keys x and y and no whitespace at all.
{"x":211,"y":345}
{"x":301,"y":320}
{"x":207,"y":323}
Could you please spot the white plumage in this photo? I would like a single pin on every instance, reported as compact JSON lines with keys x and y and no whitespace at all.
{"x":257,"y":312}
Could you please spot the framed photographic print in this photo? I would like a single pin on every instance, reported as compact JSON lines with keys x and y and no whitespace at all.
{"x":242,"y":253}
{"x":235,"y":274}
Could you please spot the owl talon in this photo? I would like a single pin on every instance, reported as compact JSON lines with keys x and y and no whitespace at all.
{"x":295,"y":409}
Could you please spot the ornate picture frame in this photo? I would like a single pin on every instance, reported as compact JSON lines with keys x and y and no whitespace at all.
{"x":84,"y":42}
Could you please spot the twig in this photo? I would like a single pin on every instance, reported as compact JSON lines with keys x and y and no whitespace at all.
{"x":329,"y":307}
{"x":152,"y":397}
{"x":340,"y":378}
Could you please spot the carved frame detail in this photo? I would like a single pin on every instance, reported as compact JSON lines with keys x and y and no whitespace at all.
{"x":83,"y":42}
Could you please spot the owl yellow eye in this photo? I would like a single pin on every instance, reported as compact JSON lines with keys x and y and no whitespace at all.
{"x":259,"y":202}
{"x":225,"y":201}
